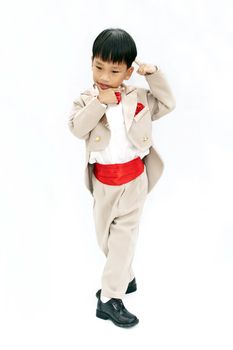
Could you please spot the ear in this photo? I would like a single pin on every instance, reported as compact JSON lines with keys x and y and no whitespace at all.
{"x":129,"y":73}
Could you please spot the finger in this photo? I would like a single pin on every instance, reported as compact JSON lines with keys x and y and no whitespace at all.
{"x":119,"y":89}
{"x":140,"y":70}
{"x":139,"y":63}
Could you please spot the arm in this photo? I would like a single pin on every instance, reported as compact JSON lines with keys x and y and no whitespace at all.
{"x":83,"y":118}
{"x":160,"y":98}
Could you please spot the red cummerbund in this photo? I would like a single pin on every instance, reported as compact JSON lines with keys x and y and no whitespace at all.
{"x":118,"y":174}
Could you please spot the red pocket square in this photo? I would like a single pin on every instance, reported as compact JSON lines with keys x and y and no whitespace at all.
{"x":140,"y":106}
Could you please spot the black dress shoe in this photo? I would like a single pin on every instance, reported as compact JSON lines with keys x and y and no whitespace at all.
{"x":132,"y":287}
{"x":115,"y":311}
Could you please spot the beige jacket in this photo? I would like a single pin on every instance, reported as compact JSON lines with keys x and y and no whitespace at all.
{"x":88,"y":121}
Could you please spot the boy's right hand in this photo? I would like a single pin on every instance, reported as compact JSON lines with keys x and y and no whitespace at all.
{"x":108,"y":96}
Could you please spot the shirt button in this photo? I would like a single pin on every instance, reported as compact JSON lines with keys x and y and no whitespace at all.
{"x":97,"y":138}
{"x":145,"y":138}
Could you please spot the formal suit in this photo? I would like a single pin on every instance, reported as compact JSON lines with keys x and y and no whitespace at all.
{"x":117,"y":209}
{"x":88,"y":121}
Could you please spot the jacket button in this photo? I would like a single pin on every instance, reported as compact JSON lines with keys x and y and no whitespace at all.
{"x":145,"y":138}
{"x":97,"y":138}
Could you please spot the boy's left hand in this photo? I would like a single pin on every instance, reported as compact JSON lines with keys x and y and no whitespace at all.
{"x":145,"y":68}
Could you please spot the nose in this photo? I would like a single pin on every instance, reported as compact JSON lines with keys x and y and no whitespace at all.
{"x":104,"y":78}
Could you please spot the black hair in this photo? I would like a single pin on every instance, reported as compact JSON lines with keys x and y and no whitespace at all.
{"x":115,"y":45}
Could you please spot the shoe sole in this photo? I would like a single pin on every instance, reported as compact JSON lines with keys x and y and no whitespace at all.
{"x":104,"y":316}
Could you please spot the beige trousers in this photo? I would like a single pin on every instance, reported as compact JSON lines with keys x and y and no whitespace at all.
{"x":117,"y":211}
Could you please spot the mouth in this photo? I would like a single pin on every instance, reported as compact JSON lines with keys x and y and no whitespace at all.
{"x":103,"y":86}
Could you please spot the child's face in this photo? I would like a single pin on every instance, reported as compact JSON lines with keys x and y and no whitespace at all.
{"x":108,"y":74}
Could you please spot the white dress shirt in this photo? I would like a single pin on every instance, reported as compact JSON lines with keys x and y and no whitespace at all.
{"x":120,"y":149}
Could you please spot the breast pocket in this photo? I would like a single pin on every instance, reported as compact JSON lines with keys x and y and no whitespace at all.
{"x":141,"y":114}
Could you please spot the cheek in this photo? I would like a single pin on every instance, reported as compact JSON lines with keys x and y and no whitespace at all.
{"x":120,"y":77}
{"x":95,"y":74}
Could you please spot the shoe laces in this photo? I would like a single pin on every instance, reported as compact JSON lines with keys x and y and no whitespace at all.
{"x":118,"y":304}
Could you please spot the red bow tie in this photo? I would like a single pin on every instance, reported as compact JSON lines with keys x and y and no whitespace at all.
{"x":118,"y":96}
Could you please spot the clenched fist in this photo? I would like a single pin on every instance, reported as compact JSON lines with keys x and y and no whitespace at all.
{"x":108,"y":96}
{"x":145,"y":68}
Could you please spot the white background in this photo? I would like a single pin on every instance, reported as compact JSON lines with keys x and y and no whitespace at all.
{"x":50,"y":264}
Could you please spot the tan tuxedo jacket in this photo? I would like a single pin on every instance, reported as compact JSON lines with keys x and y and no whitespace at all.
{"x":88,"y":121}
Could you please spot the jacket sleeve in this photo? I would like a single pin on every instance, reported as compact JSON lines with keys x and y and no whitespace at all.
{"x":83,"y":118}
{"x":160,"y":97}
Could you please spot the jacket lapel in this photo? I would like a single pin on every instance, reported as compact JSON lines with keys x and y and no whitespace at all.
{"x":129,"y":103}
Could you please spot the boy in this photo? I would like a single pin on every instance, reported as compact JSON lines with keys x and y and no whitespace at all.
{"x":122,"y":166}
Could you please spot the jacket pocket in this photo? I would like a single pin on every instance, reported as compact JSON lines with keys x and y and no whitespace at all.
{"x":141,"y":113}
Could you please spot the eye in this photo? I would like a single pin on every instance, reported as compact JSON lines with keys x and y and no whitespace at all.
{"x":98,"y":67}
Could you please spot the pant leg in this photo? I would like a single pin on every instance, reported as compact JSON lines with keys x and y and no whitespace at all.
{"x":117,"y":211}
